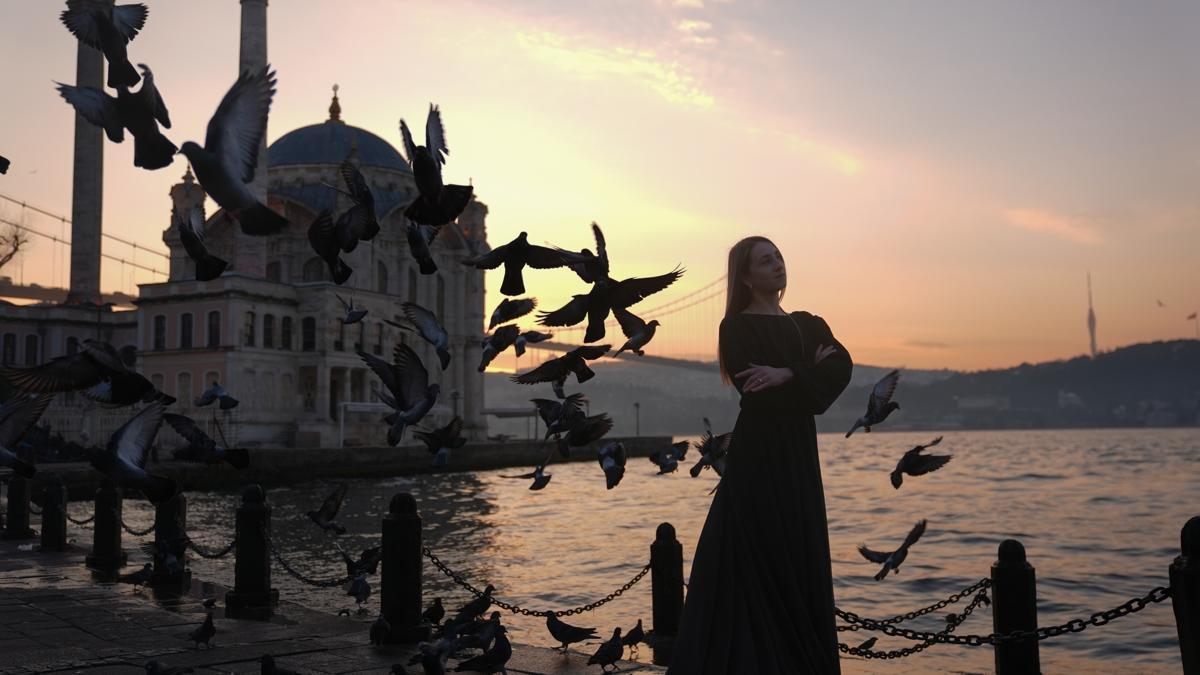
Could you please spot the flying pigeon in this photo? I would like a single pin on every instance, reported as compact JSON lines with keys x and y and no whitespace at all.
{"x":511,"y":310}
{"x":556,"y":370}
{"x":359,"y":222}
{"x":124,"y":457}
{"x":140,"y":112}
{"x":560,"y":416}
{"x":638,"y":332}
{"x":584,"y":431}
{"x":324,"y":516}
{"x":914,"y":463}
{"x":420,"y":239}
{"x":612,"y":460}
{"x":352,"y":315}
{"x":322,"y":236}
{"x":409,"y":392}
{"x":668,"y":460}
{"x":594,"y":266}
{"x":527,"y":338}
{"x":497,"y":342}
{"x":437,"y":203}
{"x":360,"y":590}
{"x":216,"y":392}
{"x":367,"y":563}
{"x":713,"y":449}
{"x":108,"y":28}
{"x":17,"y":416}
{"x":226,"y":164}
{"x":204,"y":633}
{"x":191,"y":232}
{"x":540,"y":478}
{"x":203,"y":447}
{"x":4,"y":163}
{"x":566,"y":633}
{"x":609,"y":652}
{"x":607,"y":295}
{"x":97,"y":370}
{"x":891,"y":561}
{"x":430,"y":329}
{"x":439,"y":442}
{"x":515,"y":255}
{"x":880,"y":403}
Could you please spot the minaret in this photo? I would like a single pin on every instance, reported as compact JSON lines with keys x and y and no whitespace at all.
{"x":250,"y":252}
{"x":1091,"y":316}
{"x":87,"y":184}
{"x":184,"y":196}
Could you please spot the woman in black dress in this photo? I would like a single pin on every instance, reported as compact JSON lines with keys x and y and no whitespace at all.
{"x":760,"y":596}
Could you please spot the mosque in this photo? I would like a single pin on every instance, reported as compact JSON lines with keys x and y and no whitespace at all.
{"x":269,"y":329}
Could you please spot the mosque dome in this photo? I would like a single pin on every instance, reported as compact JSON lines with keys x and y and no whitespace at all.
{"x":331,"y":142}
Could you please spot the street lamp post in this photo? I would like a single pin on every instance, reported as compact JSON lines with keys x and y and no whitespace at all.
{"x":637,"y":419}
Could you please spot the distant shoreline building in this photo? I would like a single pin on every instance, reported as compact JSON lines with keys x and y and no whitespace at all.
{"x":269,"y":328}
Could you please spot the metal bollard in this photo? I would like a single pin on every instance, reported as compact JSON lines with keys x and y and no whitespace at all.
{"x":54,"y":516}
{"x":1014,"y":607}
{"x":252,"y":596}
{"x":1185,"y":595}
{"x":170,"y":527}
{"x":106,"y":554}
{"x":17,"y":526}
{"x":666,"y":580}
{"x":400,"y":578}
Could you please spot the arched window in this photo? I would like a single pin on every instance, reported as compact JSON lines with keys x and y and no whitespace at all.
{"x":31,"y":350}
{"x":269,"y":331}
{"x":441,"y":298}
{"x":412,"y":284}
{"x":285,"y":333}
{"x":308,"y":334}
{"x":340,"y":344}
{"x":248,"y":330}
{"x":274,"y":270}
{"x":214,"y":329}
{"x":379,"y":338}
{"x":160,"y":332}
{"x":185,"y":330}
{"x":381,"y":277}
{"x":183,"y":388}
{"x":315,"y":270}
{"x":8,"y":353}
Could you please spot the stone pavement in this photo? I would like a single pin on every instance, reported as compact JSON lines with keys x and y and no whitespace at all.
{"x":56,"y":616}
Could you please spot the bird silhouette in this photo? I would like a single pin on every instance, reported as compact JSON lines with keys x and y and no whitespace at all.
{"x":359,"y":222}
{"x":892,"y":560}
{"x":323,"y":238}
{"x":324,"y":516}
{"x":436,"y":203}
{"x":140,"y":112}
{"x":879,"y":404}
{"x":190,"y":224}
{"x":914,"y":463}
{"x":108,"y":28}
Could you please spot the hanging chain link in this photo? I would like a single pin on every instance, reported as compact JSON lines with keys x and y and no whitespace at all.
{"x":1158,"y":594}
{"x":81,"y":521}
{"x":210,"y":554}
{"x":298,"y":575}
{"x":982,"y":584}
{"x":136,"y":533}
{"x":515,"y":609}
{"x":953,"y":621}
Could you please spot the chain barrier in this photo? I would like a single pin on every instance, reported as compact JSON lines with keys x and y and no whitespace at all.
{"x":298,"y":575}
{"x":515,"y":609}
{"x":136,"y":533}
{"x":210,"y":554}
{"x":1131,"y":606}
{"x":980,"y":585}
{"x":953,"y":621}
{"x":81,"y":521}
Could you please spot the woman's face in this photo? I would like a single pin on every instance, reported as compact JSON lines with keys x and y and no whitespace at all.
{"x":766,"y":272}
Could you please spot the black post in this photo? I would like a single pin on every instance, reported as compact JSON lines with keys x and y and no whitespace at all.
{"x":400,"y":578}
{"x":252,"y":596}
{"x":1014,"y":607}
{"x":17,"y":526}
{"x":666,"y":580}
{"x":106,"y":554}
{"x":54,"y":516}
{"x":170,"y":527}
{"x":1185,"y":595}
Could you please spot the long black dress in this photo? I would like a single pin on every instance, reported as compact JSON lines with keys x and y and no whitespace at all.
{"x":760,"y":596}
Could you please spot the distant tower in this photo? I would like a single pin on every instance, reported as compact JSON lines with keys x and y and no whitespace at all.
{"x":1091,"y":316}
{"x":249,"y":256}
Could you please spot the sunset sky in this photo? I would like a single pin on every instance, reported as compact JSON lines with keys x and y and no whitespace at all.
{"x":940,"y":176}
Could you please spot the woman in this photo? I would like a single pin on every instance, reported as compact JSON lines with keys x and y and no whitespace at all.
{"x":760,"y":597}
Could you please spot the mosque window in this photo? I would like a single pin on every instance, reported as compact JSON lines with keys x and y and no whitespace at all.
{"x":269,"y":331}
{"x":160,"y":332}
{"x":185,"y":330}
{"x":308,"y":334}
{"x":214,"y":329}
{"x":285,"y":333}
{"x":248,"y":330}
{"x":8,"y":354}
{"x":31,"y":350}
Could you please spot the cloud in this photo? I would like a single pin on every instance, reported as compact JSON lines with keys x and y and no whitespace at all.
{"x":1055,"y":224}
{"x":696,"y":31}
{"x":666,"y":78}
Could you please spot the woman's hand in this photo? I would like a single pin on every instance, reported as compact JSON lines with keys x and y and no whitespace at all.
{"x":822,"y":352}
{"x":759,"y":377}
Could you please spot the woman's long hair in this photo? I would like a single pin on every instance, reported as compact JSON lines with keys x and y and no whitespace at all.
{"x":737,"y":293}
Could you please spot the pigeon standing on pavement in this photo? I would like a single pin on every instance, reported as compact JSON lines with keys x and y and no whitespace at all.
{"x":216,"y":392}
{"x":634,"y":637}
{"x":439,"y":442}
{"x":516,"y":255}
{"x":138,"y":578}
{"x":436,"y":203}
{"x":891,"y":561}
{"x":529,"y":337}
{"x":17,"y":416}
{"x":225,"y":166}
{"x":566,"y":633}
{"x":511,"y":310}
{"x":879,"y":404}
{"x":202,"y":447}
{"x":409,"y":392}
{"x":379,"y":631}
{"x":638,"y":333}
{"x":124,"y":457}
{"x":868,"y":643}
{"x":497,"y":342}
{"x":324,"y":516}
{"x":435,"y":612}
{"x":322,"y":236}
{"x":190,"y":225}
{"x":107,"y":28}
{"x":359,"y":222}
{"x":494,"y":659}
{"x":914,"y":463}
{"x":352,"y":315}
{"x":612,"y":460}
{"x":140,"y":112}
{"x":609,"y":652}
{"x":204,"y":633}
{"x":360,"y":590}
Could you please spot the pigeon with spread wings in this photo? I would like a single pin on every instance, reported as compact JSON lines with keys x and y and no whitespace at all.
{"x":892,"y":560}
{"x":202,"y":447}
{"x":409,"y":392}
{"x":556,"y":370}
{"x":516,"y":255}
{"x":605,"y":296}
{"x":879,"y":404}
{"x":439,"y":442}
{"x":17,"y":416}
{"x":914,"y":463}
{"x":123,"y":459}
{"x":359,"y":222}
{"x":108,"y":28}
{"x":324,"y":516}
{"x":437,"y":203}
{"x":98,"y":370}
{"x":322,"y":236}
{"x":638,"y":333}
{"x":140,"y":112}
{"x":190,"y":224}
